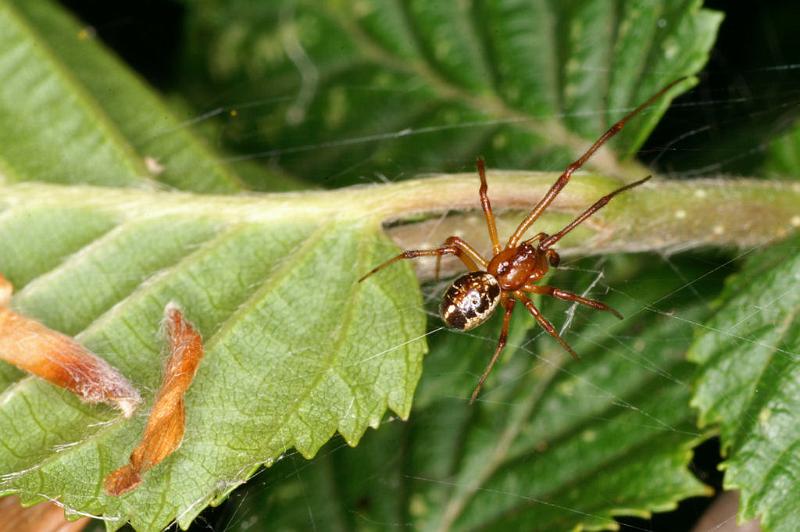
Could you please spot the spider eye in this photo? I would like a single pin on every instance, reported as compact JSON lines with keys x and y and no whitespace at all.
{"x":470,"y":300}
{"x":553,"y":258}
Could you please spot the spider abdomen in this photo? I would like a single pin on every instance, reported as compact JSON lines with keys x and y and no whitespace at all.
{"x":470,"y":300}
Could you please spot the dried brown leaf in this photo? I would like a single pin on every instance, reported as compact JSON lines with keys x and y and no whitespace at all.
{"x":60,"y":360}
{"x":164,"y":431}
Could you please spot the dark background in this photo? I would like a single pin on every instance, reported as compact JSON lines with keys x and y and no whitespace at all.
{"x":749,"y":90}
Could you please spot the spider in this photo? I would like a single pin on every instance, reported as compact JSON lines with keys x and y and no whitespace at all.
{"x":513,"y":271}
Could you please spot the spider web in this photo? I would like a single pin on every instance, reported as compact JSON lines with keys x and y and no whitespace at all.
{"x":692,"y":275}
{"x":689,"y":272}
{"x":695,"y":277}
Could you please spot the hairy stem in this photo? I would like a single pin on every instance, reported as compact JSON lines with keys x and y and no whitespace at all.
{"x":660,"y":215}
{"x":664,"y":216}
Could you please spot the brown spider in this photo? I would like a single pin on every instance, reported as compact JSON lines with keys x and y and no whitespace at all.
{"x":512,"y":271}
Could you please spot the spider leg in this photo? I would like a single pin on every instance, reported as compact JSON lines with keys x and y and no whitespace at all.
{"x":569,"y":296}
{"x":459,"y":248}
{"x":562,"y":181}
{"x":508,"y":305}
{"x":546,"y":325}
{"x":487,"y":207}
{"x":599,"y":204}
{"x":469,"y":252}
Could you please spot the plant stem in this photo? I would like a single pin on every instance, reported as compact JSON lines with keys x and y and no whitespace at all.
{"x":661,"y":215}
{"x":664,"y":216}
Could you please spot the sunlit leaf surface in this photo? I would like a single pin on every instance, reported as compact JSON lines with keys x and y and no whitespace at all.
{"x":295,"y":348}
{"x":290,"y":360}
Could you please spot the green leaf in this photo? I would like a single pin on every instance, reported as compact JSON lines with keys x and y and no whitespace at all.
{"x":748,"y":384}
{"x":296,"y":349}
{"x":390,"y":87}
{"x":72,"y":113}
{"x":552,"y":445}
{"x":270,"y":281}
{"x":783,"y":155}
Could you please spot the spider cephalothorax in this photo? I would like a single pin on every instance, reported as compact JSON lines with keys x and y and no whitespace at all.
{"x":516,"y":267}
{"x":513,"y":271}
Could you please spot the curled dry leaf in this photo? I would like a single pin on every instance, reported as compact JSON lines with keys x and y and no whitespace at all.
{"x":164,"y":431}
{"x":60,"y":360}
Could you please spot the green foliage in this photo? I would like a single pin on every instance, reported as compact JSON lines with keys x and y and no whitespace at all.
{"x":551,"y":445}
{"x":749,"y":383}
{"x":783,"y":155}
{"x":289,"y":360}
{"x":748,"y":355}
{"x":296,"y":350}
{"x":389,"y":87}
{"x":71,"y":113}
